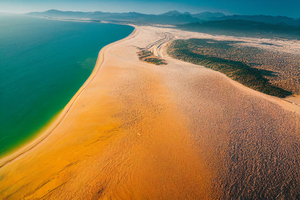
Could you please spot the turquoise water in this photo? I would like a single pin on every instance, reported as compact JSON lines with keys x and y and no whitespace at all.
{"x":43,"y":63}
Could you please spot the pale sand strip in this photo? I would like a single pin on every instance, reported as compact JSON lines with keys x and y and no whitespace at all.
{"x":46,"y":131}
{"x":295,"y":99}
{"x":177,"y":131}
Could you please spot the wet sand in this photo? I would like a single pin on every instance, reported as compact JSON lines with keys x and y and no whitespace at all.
{"x":177,"y":131}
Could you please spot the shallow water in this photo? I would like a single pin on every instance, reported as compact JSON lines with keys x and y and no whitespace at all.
{"x":43,"y":64}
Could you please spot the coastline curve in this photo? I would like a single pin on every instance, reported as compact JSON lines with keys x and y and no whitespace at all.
{"x":54,"y":123}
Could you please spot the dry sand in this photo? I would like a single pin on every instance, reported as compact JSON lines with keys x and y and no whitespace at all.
{"x":176,"y":131}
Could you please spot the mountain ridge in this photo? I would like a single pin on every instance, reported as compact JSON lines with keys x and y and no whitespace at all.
{"x":242,"y":28}
{"x":172,"y":17}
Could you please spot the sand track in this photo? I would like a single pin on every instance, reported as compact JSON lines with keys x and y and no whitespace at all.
{"x":178,"y":131}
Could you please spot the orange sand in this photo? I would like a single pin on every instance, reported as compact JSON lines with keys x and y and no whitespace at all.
{"x":141,"y":131}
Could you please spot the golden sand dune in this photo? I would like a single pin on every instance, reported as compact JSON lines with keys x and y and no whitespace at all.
{"x":177,"y":131}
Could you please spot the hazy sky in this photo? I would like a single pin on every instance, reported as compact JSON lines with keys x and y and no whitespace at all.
{"x":289,"y":8}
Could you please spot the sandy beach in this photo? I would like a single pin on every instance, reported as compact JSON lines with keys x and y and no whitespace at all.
{"x":178,"y":131}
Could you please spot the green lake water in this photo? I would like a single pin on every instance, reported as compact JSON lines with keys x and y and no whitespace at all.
{"x":43,"y":63}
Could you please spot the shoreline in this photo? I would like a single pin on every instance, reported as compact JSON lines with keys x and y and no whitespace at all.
{"x":46,"y":131}
{"x":177,"y":131}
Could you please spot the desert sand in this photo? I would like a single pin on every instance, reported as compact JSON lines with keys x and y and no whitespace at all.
{"x":176,"y":131}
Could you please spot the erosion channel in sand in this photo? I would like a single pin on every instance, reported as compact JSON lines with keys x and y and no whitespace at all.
{"x":178,"y":131}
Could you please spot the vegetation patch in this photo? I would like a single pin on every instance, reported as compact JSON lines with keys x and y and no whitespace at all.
{"x":188,"y":50}
{"x":148,"y":56}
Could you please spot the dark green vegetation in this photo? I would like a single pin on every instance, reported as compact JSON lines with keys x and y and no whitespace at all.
{"x":244,"y":28}
{"x":280,"y":68}
{"x":148,"y":56}
{"x":188,"y":50}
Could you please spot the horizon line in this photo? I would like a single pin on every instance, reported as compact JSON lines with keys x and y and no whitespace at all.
{"x":150,"y":13}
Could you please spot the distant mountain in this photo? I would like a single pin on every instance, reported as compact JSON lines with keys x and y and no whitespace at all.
{"x":214,"y":21}
{"x":207,"y":16}
{"x":172,"y":13}
{"x":204,"y":16}
{"x":262,"y":18}
{"x":244,"y":28}
{"x":172,"y":17}
{"x":187,"y":13}
{"x":57,"y":13}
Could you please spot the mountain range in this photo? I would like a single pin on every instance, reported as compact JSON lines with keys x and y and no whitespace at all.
{"x":171,"y":17}
{"x":243,"y":28}
{"x":206,"y":22}
{"x":262,"y":18}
